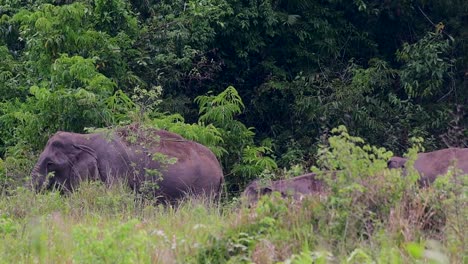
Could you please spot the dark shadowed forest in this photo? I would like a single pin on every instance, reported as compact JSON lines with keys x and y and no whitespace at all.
{"x":387,"y":70}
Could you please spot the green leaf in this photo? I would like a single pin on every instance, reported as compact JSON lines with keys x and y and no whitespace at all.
{"x":416,"y":250}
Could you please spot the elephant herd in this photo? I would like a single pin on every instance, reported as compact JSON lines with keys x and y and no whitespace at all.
{"x":175,"y":167}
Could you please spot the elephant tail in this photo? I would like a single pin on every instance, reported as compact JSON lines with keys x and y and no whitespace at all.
{"x":219,"y":191}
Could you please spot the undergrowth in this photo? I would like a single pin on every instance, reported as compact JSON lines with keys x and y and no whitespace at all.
{"x":370,"y":215}
{"x":101,"y":225}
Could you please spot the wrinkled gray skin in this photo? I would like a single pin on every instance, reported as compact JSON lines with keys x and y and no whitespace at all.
{"x":432,"y":164}
{"x":296,"y":187}
{"x":76,"y":157}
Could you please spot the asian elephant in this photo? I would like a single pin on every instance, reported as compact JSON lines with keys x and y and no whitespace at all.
{"x":172,"y":165}
{"x":296,"y":187}
{"x":432,"y":164}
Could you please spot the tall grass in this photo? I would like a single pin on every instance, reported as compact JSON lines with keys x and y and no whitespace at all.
{"x":370,"y":215}
{"x":96,"y":224}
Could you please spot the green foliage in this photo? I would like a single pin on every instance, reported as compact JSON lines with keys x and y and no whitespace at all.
{"x":362,"y":192}
{"x":245,"y":159}
{"x":49,"y":31}
{"x":121,"y":108}
{"x":74,"y":97}
{"x":427,"y":65}
{"x":63,"y":71}
{"x":147,"y":100}
{"x":220,"y":111}
{"x":310,"y":257}
{"x":113,"y":17}
{"x":46,"y":35}
{"x":10,"y":78}
{"x":208,"y":135}
{"x":15,"y":169}
{"x":181,"y":57}
{"x":271,"y":209}
{"x":430,"y":252}
{"x":254,"y":162}
{"x":7,"y":225}
{"x":222,"y":108}
{"x":302,"y":68}
{"x":346,"y":151}
{"x":362,"y":98}
{"x":237,"y":244}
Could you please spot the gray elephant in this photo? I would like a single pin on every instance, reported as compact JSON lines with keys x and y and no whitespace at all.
{"x":143,"y":157}
{"x":432,"y":164}
{"x":296,"y":187}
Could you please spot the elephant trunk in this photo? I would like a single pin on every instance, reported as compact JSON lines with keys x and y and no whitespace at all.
{"x":38,"y":176}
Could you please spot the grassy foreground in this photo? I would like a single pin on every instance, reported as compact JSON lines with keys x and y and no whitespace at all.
{"x":369,"y":215}
{"x":97,"y":224}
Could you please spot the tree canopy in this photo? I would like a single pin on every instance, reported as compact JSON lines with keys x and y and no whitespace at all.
{"x":262,"y":82}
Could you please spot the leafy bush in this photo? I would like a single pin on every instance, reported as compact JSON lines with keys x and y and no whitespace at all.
{"x":244,"y":158}
{"x":362,"y":192}
{"x":75,"y":96}
{"x":237,"y":244}
{"x":427,"y":65}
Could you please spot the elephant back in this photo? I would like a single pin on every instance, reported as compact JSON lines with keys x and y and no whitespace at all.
{"x":191,"y":167}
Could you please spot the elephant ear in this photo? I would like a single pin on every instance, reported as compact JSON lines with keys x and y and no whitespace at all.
{"x":265,"y":190}
{"x":391,"y":164}
{"x":395,"y":164}
{"x":85,"y":163}
{"x":85,"y":149}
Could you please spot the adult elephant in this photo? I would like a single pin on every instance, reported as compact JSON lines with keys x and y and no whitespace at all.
{"x":432,"y":164}
{"x":147,"y":159}
{"x":296,"y":188}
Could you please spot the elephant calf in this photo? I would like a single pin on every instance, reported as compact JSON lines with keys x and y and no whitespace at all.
{"x":296,"y":187}
{"x":172,"y":165}
{"x":432,"y":164}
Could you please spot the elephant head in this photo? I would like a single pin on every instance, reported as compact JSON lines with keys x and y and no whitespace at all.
{"x":297,"y":187}
{"x":397,"y":163}
{"x":255,"y":190}
{"x":65,"y":161}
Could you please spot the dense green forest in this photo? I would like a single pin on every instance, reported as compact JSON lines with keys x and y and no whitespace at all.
{"x":273,"y":88}
{"x":260,"y":82}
